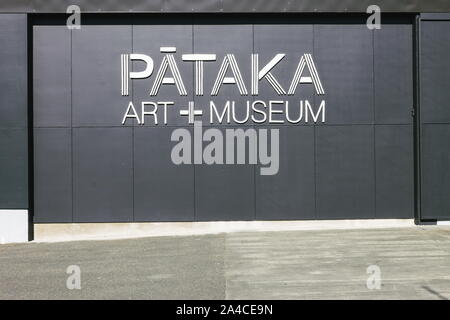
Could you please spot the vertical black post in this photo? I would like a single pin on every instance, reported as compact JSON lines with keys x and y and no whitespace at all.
{"x":416,"y":121}
{"x":30,"y":128}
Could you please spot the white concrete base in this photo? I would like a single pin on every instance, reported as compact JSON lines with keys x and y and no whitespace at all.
{"x":443,"y":223}
{"x":103,"y":231}
{"x":13,"y":226}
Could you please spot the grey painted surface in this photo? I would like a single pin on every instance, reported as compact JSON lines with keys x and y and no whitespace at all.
{"x":435,"y":171}
{"x":53,"y":175}
{"x":290,"y":194}
{"x":294,"y":41}
{"x":393,"y":79}
{"x":435,"y":70}
{"x":344,"y":55}
{"x":13,"y":112}
{"x":163,"y":191}
{"x":13,"y":168}
{"x":435,"y":119}
{"x":330,"y":264}
{"x":221,"y":40}
{"x":224,"y":192}
{"x":224,"y":6}
{"x":340,"y":169}
{"x":13,"y":70}
{"x":148,"y":40}
{"x":96,"y":99}
{"x":102,"y":174}
{"x":394,"y":171}
{"x":344,"y":172}
{"x":52,"y":86}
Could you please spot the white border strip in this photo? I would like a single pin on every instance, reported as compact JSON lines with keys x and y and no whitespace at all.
{"x":13,"y":226}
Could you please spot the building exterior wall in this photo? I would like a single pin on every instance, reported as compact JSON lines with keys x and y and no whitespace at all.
{"x":88,"y":167}
{"x":13,"y":128}
{"x":357,"y":164}
{"x":13,"y":112}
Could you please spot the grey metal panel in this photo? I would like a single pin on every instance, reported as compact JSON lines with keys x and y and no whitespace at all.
{"x":163,"y":191}
{"x":435,"y":171}
{"x":96,"y":91}
{"x":13,"y":70}
{"x":224,"y":6}
{"x":102,"y":173}
{"x":224,"y":192}
{"x":222,"y":40}
{"x":434,"y":71}
{"x":294,"y":41}
{"x":52,"y":175}
{"x":393,"y":84}
{"x":148,"y":40}
{"x":51,"y":76}
{"x":345,"y":172}
{"x":290,"y":194}
{"x":13,"y":168}
{"x":344,"y":60}
{"x":394,"y":171}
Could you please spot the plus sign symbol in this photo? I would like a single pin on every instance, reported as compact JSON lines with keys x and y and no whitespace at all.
{"x":191,"y":112}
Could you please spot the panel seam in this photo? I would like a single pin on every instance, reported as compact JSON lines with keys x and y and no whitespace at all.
{"x":193,"y":99}
{"x":314,"y":137}
{"x":71,"y":123}
{"x":374,"y":129}
{"x":132,"y":136}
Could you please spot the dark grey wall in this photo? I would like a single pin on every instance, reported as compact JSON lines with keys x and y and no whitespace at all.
{"x":435,"y":117}
{"x":88,"y":167}
{"x":13,"y":112}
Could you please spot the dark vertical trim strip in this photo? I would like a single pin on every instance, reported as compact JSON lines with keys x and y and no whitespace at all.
{"x":132,"y":132}
{"x":255,"y":166}
{"x":30,"y":128}
{"x":416,"y":121}
{"x":374,"y":128}
{"x":314,"y":130}
{"x":71,"y":123}
{"x":194,"y":193}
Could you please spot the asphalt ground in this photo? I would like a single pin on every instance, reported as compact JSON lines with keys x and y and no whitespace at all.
{"x":404,"y":263}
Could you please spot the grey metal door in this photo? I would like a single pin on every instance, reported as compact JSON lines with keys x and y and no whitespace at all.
{"x":435,"y":116}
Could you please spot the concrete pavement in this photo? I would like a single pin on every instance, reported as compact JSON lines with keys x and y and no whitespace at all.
{"x":328,"y":264}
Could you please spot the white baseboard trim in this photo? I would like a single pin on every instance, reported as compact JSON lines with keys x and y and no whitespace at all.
{"x":13,"y":226}
{"x":443,"y":223}
{"x":104,"y":231}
